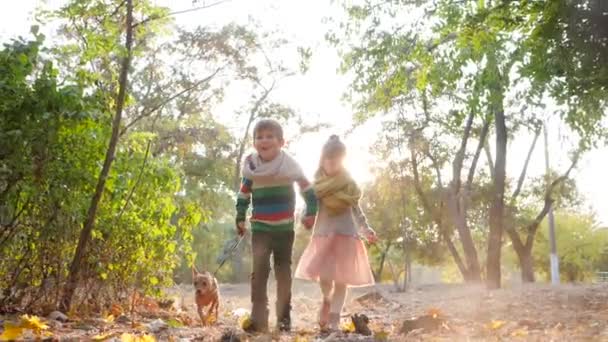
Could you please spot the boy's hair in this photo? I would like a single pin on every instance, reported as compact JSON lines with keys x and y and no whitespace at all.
{"x":270,"y":125}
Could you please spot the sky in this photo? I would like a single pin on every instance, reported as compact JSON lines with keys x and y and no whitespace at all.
{"x":317,"y":95}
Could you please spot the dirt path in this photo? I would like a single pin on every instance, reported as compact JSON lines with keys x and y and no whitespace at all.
{"x":469,"y":313}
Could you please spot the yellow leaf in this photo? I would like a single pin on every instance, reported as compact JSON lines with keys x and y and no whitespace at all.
{"x":11,"y":332}
{"x":109,"y":318}
{"x":434,"y":312}
{"x":381,"y":335}
{"x":495,"y":325}
{"x":102,"y":337}
{"x":147,"y":338}
{"x":300,"y":338}
{"x":211,"y":319}
{"x":33,"y":323}
{"x":348,"y":327}
{"x":520,"y":333}
{"x":127,"y":338}
{"x":245,"y":322}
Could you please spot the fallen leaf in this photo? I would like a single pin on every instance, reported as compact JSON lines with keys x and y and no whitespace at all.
{"x":434,"y":312}
{"x":174,"y":323}
{"x":116,"y":310}
{"x":520,"y":333}
{"x":11,"y":332}
{"x":211,"y":319}
{"x":348,"y":327}
{"x":109,"y":318}
{"x":300,"y":338}
{"x":381,"y":335}
{"x":33,"y":323}
{"x":132,"y":338}
{"x":495,"y":325}
{"x":245,"y":321}
{"x":101,"y":337}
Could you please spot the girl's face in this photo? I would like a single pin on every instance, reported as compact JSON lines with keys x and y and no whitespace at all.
{"x":332,"y":166}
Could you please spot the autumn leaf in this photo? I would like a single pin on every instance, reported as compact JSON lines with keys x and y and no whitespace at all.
{"x":381,"y":335}
{"x":33,"y":323}
{"x":348,"y":327}
{"x":101,"y":337}
{"x":520,"y":333}
{"x":132,"y":338}
{"x":495,"y":325}
{"x":211,"y":319}
{"x":434,"y":312}
{"x":109,"y":318}
{"x":245,"y":322}
{"x":116,"y":310}
{"x":11,"y":332}
{"x":300,"y":338}
{"x":174,"y":323}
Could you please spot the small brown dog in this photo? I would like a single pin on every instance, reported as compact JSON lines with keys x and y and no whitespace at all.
{"x":207,"y":294}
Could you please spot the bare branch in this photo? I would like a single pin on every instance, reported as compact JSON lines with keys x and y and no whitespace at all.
{"x":459,"y":158}
{"x":524,"y":171}
{"x":152,"y":18}
{"x":486,"y":148}
{"x":173,"y":97}
{"x":141,"y":172}
{"x":482,"y":140}
{"x":533,"y":226}
{"x":435,"y":164}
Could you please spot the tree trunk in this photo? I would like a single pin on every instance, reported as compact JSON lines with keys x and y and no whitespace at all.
{"x":380,"y":269}
{"x":527,"y":266}
{"x":89,"y":223}
{"x":466,"y":239}
{"x":497,"y":207}
{"x":454,"y":252}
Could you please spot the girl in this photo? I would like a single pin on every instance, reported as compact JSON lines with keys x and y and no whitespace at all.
{"x":336,"y":257}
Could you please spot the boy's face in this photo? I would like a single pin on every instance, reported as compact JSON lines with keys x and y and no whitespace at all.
{"x":268,"y":144}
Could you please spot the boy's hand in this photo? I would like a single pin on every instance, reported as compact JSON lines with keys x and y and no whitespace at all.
{"x":240,"y":228}
{"x":308,"y":221}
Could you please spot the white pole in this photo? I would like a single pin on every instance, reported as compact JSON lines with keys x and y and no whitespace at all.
{"x":551,"y":220}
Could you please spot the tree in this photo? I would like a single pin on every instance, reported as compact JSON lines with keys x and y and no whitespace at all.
{"x":89,"y":222}
{"x":459,"y":63}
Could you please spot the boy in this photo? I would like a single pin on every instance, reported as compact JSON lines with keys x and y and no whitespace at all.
{"x":268,"y":178}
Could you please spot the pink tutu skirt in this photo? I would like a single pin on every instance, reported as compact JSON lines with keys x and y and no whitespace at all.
{"x":341,"y":258}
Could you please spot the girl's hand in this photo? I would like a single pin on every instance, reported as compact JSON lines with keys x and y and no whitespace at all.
{"x":371,"y":235}
{"x":308,"y":222}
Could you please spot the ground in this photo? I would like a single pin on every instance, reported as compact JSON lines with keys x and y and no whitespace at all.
{"x":466,"y":313}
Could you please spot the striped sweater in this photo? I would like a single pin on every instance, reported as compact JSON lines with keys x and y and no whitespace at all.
{"x":273,"y":198}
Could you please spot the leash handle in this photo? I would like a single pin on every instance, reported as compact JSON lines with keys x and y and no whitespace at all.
{"x":229,"y":254}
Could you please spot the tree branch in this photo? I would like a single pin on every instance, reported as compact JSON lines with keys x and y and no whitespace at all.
{"x":524,"y":171}
{"x":435,"y":166}
{"x":459,"y":158}
{"x":173,"y":97}
{"x":482,"y":140}
{"x":533,"y":226}
{"x":486,"y":148}
{"x":141,"y":172}
{"x":152,"y":18}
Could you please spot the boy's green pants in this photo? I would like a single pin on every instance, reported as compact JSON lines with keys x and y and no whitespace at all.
{"x":280,"y":246}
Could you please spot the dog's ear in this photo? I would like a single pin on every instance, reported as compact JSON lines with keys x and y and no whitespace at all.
{"x":194,"y":272}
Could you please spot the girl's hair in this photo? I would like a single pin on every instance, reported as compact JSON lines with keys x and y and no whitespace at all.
{"x":333,"y":148}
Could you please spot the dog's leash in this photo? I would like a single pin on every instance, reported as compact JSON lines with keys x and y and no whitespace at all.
{"x":222,"y":260}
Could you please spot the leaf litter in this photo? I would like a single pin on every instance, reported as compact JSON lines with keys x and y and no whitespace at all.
{"x":444,"y":313}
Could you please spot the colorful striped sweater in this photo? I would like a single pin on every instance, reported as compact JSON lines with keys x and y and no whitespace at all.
{"x":269,"y":188}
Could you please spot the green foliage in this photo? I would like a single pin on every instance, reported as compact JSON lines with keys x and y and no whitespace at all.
{"x":580,"y":247}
